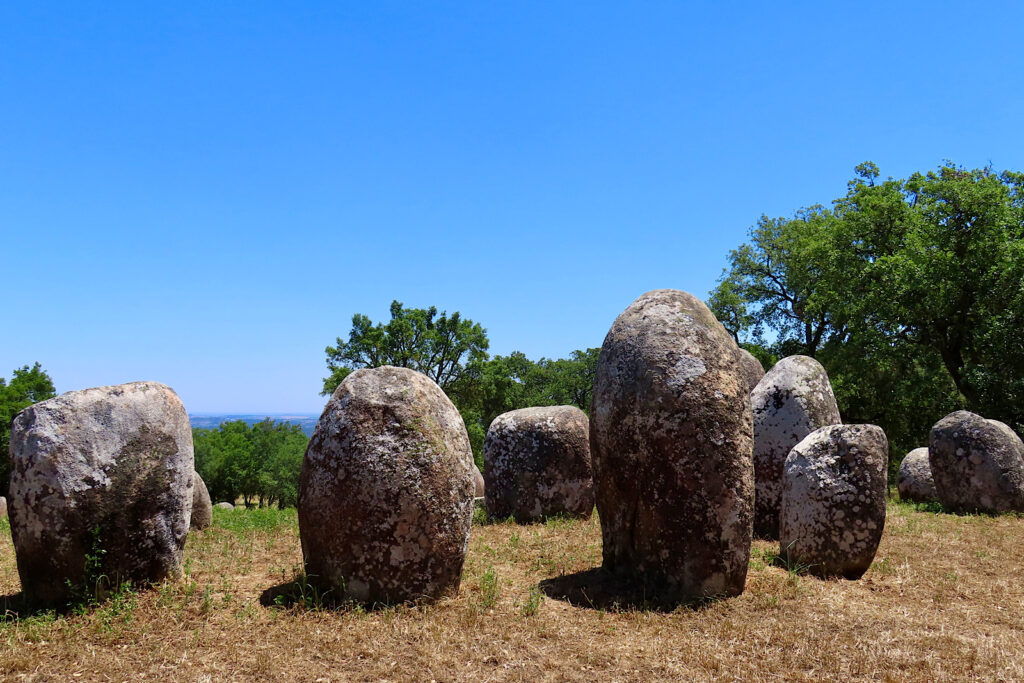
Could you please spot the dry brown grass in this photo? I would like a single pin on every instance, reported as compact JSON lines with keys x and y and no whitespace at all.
{"x":945,"y":600}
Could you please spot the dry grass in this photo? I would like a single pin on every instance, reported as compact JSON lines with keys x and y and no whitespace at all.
{"x":945,"y":600}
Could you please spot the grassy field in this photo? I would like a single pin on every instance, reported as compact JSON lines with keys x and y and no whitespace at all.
{"x":944,"y":600}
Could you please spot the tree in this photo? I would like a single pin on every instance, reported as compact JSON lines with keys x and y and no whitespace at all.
{"x":28,"y":385}
{"x":439,"y":346}
{"x":908,"y":291}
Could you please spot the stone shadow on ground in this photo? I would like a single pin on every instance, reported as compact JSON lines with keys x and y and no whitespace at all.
{"x":18,"y":606}
{"x":600,"y":589}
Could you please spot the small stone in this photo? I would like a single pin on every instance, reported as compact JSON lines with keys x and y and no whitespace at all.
{"x":100,"y":476}
{"x":202,"y":509}
{"x":224,"y":505}
{"x":478,"y":481}
{"x":977,"y":464}
{"x":537,"y":462}
{"x":833,"y":500}
{"x":386,"y":491}
{"x":914,"y":479}
{"x":3,"y":506}
{"x":792,"y":400}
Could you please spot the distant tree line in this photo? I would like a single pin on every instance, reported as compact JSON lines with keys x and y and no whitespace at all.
{"x":908,"y":291}
{"x":259,"y":464}
{"x":27,"y":385}
{"x":452,"y":351}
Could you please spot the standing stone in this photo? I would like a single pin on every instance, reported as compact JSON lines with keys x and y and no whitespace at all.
{"x":914,"y":479}
{"x":833,"y":500}
{"x":792,"y":400}
{"x":977,"y":464}
{"x":100,"y":477}
{"x":478,"y":481}
{"x":537,"y":462}
{"x":202,"y":508}
{"x":3,"y":506}
{"x":386,"y":492}
{"x":753,"y":371}
{"x":671,"y":439}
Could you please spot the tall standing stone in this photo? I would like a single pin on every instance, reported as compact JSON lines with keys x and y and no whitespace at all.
{"x":202,"y":507}
{"x":977,"y":464}
{"x":101,"y":486}
{"x":386,"y":491}
{"x":537,"y":462}
{"x":914,"y":478}
{"x":671,"y":440}
{"x":833,"y":500}
{"x":792,"y":400}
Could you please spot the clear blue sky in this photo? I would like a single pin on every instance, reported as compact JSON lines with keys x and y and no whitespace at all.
{"x":204,"y":193}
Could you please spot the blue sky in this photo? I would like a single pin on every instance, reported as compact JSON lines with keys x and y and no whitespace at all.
{"x":204,"y":193}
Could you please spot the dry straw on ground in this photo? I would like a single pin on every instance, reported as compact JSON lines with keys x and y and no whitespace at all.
{"x":944,"y":600}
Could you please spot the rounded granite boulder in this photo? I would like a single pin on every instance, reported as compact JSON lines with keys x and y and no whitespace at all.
{"x":977,"y":464}
{"x":537,"y":464}
{"x":914,"y":478}
{"x":478,"y":482}
{"x":833,"y":500}
{"x":386,"y":491}
{"x":202,"y":508}
{"x":101,"y":489}
{"x":671,"y":439}
{"x":792,"y":400}
{"x":753,"y":371}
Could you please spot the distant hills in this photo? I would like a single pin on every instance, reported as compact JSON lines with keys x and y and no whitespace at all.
{"x":212,"y":421}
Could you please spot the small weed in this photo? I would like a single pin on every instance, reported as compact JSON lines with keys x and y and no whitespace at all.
{"x":513,"y":540}
{"x":489,"y":589}
{"x":532,"y":604}
{"x":884,"y":566}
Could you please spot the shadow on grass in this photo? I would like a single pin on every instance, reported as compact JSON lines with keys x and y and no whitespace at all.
{"x":601,"y":589}
{"x":16,"y":607}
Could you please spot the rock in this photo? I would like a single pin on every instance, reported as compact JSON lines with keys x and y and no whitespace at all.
{"x":792,"y":400}
{"x":833,"y":500}
{"x":537,"y":464}
{"x":386,"y":491}
{"x":202,"y":509}
{"x":753,"y":371}
{"x":224,"y":506}
{"x":977,"y":464}
{"x":671,"y":438}
{"x":100,"y":477}
{"x":3,"y":506}
{"x":914,"y":479}
{"x":478,"y":481}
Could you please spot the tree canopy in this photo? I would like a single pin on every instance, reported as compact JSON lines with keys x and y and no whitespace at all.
{"x":27,"y":385}
{"x":907,"y":290}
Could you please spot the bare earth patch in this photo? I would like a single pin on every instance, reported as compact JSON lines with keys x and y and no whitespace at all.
{"x":944,"y":600}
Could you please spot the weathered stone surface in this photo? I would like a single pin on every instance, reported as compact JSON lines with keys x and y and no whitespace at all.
{"x":386,"y":492}
{"x":792,"y":400}
{"x":671,"y":439}
{"x":103,"y":472}
{"x":833,"y":500}
{"x":202,"y":508}
{"x":977,"y":464}
{"x":753,"y":371}
{"x":914,"y":479}
{"x":224,"y":505}
{"x":3,"y":506}
{"x":478,"y":482}
{"x":537,"y":464}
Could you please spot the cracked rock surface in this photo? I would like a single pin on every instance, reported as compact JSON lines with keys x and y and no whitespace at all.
{"x":386,"y":491}
{"x":833,"y":500}
{"x":671,"y":438}
{"x":914,"y":478}
{"x":537,"y":464}
{"x":101,"y":476}
{"x":792,"y":400}
{"x":977,"y":464}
